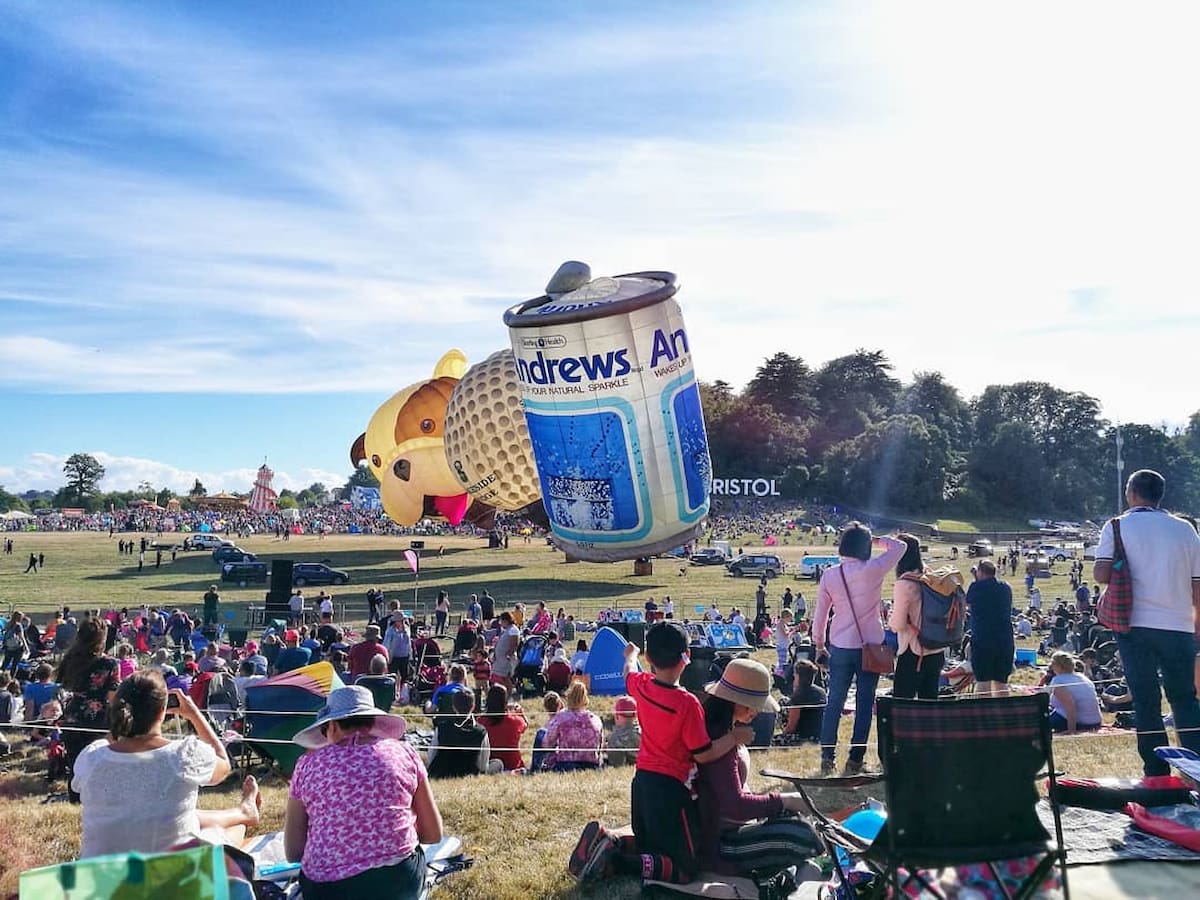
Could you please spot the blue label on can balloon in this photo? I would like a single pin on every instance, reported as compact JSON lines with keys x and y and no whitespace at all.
{"x":685,"y":428}
{"x":589,"y":463}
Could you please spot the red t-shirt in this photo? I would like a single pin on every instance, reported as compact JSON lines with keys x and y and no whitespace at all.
{"x":505,"y":733}
{"x":672,"y":723}
{"x":361,"y":655}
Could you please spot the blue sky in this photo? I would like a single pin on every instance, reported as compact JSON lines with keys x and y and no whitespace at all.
{"x":230,"y":231}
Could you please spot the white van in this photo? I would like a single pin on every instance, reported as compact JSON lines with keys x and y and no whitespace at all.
{"x":809,"y":564}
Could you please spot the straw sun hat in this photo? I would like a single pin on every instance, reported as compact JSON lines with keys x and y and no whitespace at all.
{"x":345,"y":703}
{"x":747,"y":682}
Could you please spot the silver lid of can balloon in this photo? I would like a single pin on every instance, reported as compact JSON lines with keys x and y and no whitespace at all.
{"x":598,"y":298}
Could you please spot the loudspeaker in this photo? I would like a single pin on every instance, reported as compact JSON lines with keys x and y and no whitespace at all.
{"x":634,"y":632}
{"x":281,"y":587}
{"x":237,"y":636}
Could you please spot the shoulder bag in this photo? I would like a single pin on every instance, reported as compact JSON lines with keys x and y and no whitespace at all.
{"x":1115,"y":609}
{"x":879,"y":659}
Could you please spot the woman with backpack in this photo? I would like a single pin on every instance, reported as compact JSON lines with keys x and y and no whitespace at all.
{"x":917,"y":669}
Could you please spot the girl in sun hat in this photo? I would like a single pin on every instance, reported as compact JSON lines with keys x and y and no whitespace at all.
{"x":359,"y":805}
{"x":742,"y":832}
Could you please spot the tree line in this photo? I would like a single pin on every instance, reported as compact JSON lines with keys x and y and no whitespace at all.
{"x":850,"y":432}
{"x":82,"y":491}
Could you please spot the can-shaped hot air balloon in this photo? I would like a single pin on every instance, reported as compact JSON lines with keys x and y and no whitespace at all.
{"x":614,"y":418}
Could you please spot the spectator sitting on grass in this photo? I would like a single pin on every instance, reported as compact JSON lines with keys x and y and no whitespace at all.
{"x":579,"y":657}
{"x":440,"y":701}
{"x":381,"y":685}
{"x":292,"y":656}
{"x":806,"y":706}
{"x":626,"y":736}
{"x":1073,"y":703}
{"x":504,"y":723}
{"x":460,"y":744}
{"x":558,"y":672}
{"x":578,"y":731}
{"x":539,"y":762}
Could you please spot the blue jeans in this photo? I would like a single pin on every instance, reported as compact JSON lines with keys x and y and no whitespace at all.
{"x":845,"y":665}
{"x":1151,"y":657}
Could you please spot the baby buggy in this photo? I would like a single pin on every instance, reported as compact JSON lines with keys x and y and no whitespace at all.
{"x":429,"y":670}
{"x":529,"y":677}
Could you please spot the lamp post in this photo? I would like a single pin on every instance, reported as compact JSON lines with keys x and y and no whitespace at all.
{"x":1120,"y":468}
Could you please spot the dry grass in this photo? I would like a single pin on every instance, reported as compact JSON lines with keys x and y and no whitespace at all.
{"x":519,"y":829}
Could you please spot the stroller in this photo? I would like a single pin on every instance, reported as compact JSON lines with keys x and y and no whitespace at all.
{"x":429,"y":671}
{"x":529,"y":678}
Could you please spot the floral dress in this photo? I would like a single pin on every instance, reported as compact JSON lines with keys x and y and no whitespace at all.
{"x":89,"y":708}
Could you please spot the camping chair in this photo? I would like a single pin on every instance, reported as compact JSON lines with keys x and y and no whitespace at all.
{"x":961,"y":787}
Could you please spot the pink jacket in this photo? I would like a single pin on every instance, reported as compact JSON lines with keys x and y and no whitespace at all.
{"x":905,"y":619}
{"x":865,"y":579}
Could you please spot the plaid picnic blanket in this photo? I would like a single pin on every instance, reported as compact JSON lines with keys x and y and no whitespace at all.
{"x":1093,"y":836}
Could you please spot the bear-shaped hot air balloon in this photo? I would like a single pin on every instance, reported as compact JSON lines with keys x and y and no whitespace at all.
{"x":403,"y":445}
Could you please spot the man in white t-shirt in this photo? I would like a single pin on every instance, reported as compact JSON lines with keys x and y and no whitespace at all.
{"x":326,"y":603}
{"x":1163,"y":555}
{"x":296,"y":608}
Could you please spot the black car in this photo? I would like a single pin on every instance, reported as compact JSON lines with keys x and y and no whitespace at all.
{"x":243,"y":573}
{"x":224,"y":555}
{"x":317,"y":573}
{"x":708,"y":556}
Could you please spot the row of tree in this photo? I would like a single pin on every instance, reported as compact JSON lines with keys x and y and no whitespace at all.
{"x":850,"y":432}
{"x":82,"y":491}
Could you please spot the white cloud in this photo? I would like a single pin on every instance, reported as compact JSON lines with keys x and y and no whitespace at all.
{"x":44,"y":471}
{"x":937,"y":182}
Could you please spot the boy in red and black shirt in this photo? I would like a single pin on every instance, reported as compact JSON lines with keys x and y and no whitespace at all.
{"x":674,"y":739}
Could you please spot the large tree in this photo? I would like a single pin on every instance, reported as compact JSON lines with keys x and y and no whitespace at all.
{"x":83,"y":473}
{"x":1006,"y":469}
{"x":936,"y":401}
{"x":852,"y":392}
{"x":1148,"y":447}
{"x":1064,"y":427}
{"x":198,"y":489}
{"x":785,"y":383}
{"x":753,"y":439}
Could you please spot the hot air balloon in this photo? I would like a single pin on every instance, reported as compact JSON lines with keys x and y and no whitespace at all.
{"x":613,"y":413}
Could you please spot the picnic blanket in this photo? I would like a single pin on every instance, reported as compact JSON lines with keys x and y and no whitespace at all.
{"x":1093,"y":836}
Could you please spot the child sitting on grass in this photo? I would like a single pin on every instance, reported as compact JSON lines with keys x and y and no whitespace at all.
{"x":674,"y":740}
{"x":552,"y":703}
{"x":626,"y":735}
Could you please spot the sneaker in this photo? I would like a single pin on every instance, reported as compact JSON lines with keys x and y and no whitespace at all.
{"x":855,"y":767}
{"x":591,"y":852}
{"x":828,"y":768}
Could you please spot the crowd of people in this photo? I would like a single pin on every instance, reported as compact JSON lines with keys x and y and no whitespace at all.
{"x":360,"y":801}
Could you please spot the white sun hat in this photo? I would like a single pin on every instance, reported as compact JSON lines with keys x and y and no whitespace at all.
{"x":345,"y":703}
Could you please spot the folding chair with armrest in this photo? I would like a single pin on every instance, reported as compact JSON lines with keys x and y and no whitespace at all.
{"x":961,"y":788}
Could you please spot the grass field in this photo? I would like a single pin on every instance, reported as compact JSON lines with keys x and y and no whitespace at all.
{"x":520,"y":830}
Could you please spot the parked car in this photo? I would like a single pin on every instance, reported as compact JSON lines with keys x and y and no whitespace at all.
{"x":230,"y":554}
{"x":205,"y":541}
{"x":709,"y":556}
{"x":317,"y":573}
{"x":244,"y":573}
{"x":981,"y":547}
{"x":1055,"y":552}
{"x":756,"y":564}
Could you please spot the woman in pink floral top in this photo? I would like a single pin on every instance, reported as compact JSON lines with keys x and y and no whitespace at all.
{"x":359,"y":805}
{"x":576,"y":730}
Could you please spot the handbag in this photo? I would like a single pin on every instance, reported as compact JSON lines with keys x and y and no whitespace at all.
{"x":879,"y":659}
{"x":1115,"y":609}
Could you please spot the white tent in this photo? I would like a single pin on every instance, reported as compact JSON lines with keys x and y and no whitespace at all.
{"x":15,"y":514}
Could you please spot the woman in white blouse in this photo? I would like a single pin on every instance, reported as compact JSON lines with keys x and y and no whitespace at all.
{"x":138,"y":788}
